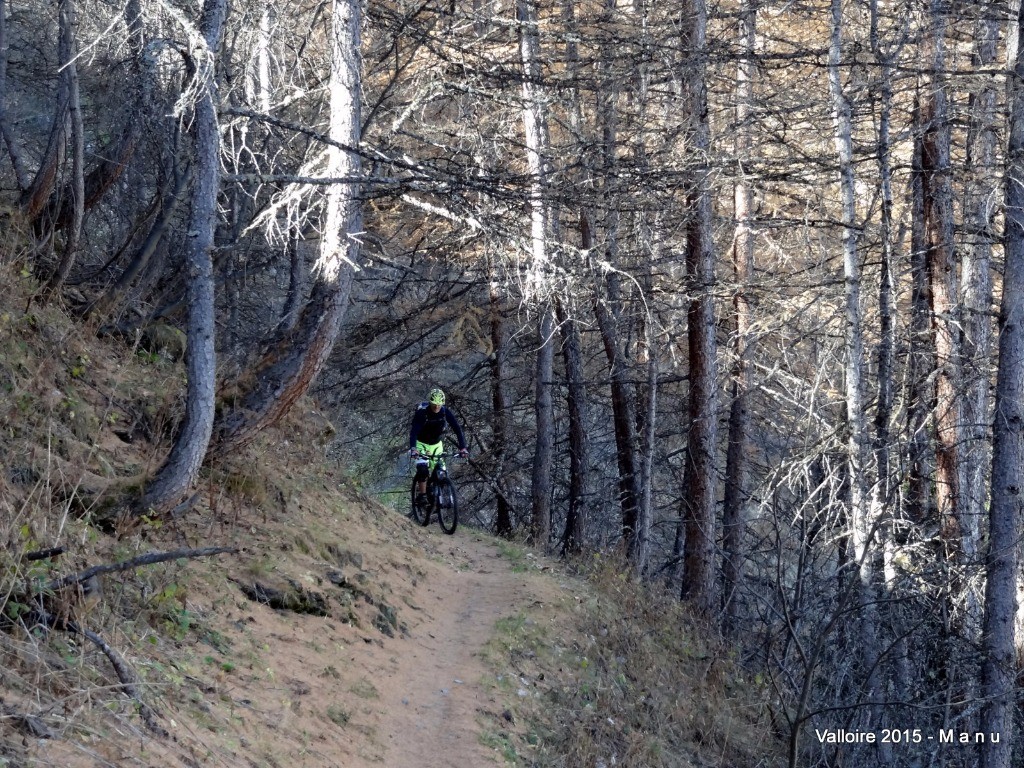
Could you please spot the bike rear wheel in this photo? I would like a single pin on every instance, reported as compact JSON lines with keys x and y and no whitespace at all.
{"x":420,"y":512}
{"x":447,"y":506}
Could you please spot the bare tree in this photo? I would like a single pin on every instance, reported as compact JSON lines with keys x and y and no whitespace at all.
{"x":1006,"y":514}
{"x":538,"y":280}
{"x":976,"y":281}
{"x":21,"y":174}
{"x":862,"y":524}
{"x":736,"y":463}
{"x":699,"y":571}
{"x":294,"y":360}
{"x":181,"y":468}
{"x":942,"y":275}
{"x":503,"y":525}
{"x":76,"y":189}
{"x":575,"y":532}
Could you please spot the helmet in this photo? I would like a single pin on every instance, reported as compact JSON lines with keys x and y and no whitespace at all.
{"x":436,"y":396}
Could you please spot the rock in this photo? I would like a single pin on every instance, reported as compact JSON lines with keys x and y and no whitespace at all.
{"x":387,"y":619}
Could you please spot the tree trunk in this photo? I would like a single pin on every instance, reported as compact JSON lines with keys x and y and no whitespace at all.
{"x":1006,"y":513}
{"x":942,"y":277}
{"x":736,"y":462}
{"x":75,"y":192}
{"x":575,"y":532}
{"x":862,"y":524}
{"x":647,"y":405}
{"x":296,"y":283}
{"x":35,"y":196}
{"x":535,"y":130}
{"x":544,"y":413}
{"x":21,"y":175}
{"x":699,"y":573}
{"x":286,"y":372}
{"x":141,"y":259}
{"x":503,"y":525}
{"x":606,"y":311}
{"x":885,"y":485}
{"x":179,"y":472}
{"x":920,"y":388}
{"x":976,"y":293}
{"x":115,"y":156}
{"x":538,"y":280}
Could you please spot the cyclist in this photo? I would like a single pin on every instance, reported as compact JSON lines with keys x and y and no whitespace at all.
{"x":428,"y":424}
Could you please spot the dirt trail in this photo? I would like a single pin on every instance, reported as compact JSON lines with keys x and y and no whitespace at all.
{"x":432,"y":692}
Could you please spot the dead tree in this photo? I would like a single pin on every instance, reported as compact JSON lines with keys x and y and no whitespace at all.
{"x":179,"y":472}
{"x":999,"y":645}
{"x":295,"y":359}
{"x":699,"y":571}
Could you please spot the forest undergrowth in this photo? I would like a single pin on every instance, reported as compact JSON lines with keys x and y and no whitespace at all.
{"x":259,"y":654}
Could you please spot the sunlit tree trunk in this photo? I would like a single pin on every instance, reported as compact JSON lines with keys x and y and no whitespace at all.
{"x":540,"y":269}
{"x":295,"y":360}
{"x":976,"y":290}
{"x":858,"y":447}
{"x":884,"y":491}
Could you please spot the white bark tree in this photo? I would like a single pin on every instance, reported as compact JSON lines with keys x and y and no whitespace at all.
{"x":538,"y":287}
{"x":862,"y":524}
{"x":296,"y":358}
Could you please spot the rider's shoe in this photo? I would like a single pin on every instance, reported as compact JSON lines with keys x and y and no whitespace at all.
{"x":421,"y":499}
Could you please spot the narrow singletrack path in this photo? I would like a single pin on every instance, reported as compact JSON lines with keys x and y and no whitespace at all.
{"x":431,"y":693}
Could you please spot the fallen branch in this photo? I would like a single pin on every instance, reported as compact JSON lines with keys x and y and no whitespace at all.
{"x":129,"y":682}
{"x":43,"y":554}
{"x":136,"y":562}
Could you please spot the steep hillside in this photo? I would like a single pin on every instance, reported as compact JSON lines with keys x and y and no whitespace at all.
{"x":333,"y":633}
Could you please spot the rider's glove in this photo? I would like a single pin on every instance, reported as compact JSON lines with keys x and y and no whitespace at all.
{"x":463,"y":453}
{"x":413,"y":453}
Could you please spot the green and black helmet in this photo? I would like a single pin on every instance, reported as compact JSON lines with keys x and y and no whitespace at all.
{"x":436,"y":397}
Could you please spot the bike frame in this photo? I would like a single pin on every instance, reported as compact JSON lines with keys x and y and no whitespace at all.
{"x":437,"y":478}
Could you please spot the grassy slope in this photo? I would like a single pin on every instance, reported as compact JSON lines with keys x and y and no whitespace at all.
{"x":605,"y":674}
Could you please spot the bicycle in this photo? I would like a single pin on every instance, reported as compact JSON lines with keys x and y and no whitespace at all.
{"x":440,"y":497}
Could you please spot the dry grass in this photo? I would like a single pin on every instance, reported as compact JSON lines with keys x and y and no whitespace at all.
{"x":627,"y":677}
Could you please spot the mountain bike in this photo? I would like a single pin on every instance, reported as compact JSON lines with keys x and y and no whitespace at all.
{"x":440,"y":497}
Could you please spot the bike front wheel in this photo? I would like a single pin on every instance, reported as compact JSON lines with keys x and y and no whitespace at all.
{"x":447,"y":506}
{"x":420,"y":512}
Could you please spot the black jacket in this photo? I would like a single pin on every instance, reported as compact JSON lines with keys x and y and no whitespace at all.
{"x":427,"y":426}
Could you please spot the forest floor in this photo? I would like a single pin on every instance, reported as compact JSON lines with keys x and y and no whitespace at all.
{"x":337,"y":633}
{"x":400,"y":674}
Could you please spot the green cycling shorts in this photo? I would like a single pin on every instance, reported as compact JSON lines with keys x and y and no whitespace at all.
{"x":429,"y":451}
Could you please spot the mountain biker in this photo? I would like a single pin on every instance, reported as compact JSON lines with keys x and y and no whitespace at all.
{"x":428,"y":424}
